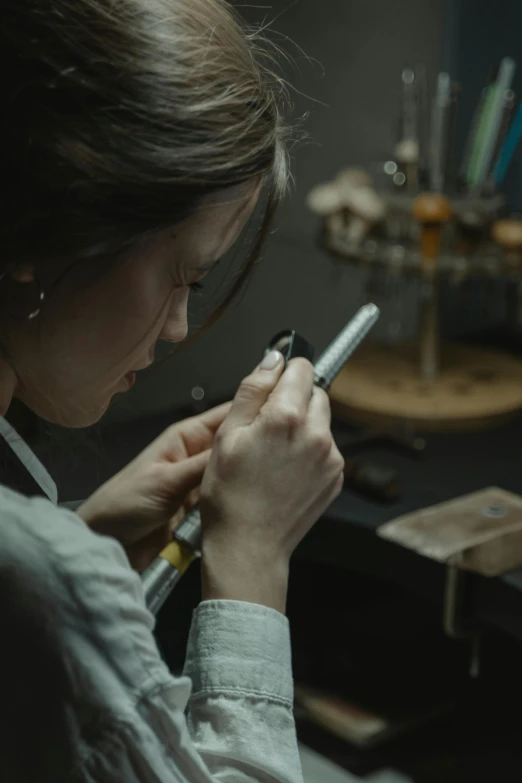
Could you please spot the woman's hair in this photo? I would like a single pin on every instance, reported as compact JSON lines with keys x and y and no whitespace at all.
{"x":120,"y":115}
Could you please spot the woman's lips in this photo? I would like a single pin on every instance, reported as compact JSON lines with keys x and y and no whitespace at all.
{"x":130,"y":377}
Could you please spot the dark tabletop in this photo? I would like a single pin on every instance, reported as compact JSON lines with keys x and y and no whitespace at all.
{"x":453,"y":464}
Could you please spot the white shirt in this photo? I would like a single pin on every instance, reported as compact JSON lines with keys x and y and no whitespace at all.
{"x":228,"y":719}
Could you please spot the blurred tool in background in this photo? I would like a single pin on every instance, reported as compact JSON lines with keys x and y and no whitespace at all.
{"x":432,"y":211}
{"x":508,"y":149}
{"x":375,"y":481}
{"x":442,"y":126}
{"x":408,"y":149}
{"x":490,"y":126}
{"x":368,"y":477}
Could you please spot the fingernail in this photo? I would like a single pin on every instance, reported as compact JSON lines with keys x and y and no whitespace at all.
{"x":271,"y":360}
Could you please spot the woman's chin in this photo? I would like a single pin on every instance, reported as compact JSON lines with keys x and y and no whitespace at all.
{"x":77,"y":419}
{"x":72,"y":416}
{"x":76,"y":411}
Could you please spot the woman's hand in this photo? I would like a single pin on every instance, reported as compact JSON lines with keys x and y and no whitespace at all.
{"x":273,"y":471}
{"x":140,"y":505}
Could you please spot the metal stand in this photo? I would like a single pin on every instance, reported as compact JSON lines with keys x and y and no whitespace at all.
{"x":455,"y":622}
{"x":429,"y":336}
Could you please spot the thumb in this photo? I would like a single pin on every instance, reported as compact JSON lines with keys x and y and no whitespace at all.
{"x":255,"y":390}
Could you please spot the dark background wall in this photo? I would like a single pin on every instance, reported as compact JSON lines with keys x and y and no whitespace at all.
{"x":347,"y":78}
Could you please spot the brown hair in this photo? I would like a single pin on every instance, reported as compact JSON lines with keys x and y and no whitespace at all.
{"x":121,"y":116}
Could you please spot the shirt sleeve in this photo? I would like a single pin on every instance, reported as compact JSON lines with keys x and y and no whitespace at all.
{"x":228,"y":719}
{"x":241,"y":710}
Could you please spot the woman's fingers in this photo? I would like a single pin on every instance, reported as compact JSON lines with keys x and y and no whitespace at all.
{"x":142,"y":553}
{"x":254,"y":391}
{"x":319,"y":410}
{"x":189,"y":503}
{"x":291,"y":396}
{"x":184,"y":476}
{"x":213,"y":418}
{"x":191,"y":436}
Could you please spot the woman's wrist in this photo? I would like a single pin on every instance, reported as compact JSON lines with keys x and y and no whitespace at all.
{"x":228,"y":574}
{"x":88,"y":513}
{"x":95,"y":518}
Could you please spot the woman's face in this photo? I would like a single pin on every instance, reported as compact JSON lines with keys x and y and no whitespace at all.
{"x":91,"y":337}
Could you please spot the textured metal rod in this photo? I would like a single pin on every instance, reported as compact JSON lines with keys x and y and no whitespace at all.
{"x":337,"y":354}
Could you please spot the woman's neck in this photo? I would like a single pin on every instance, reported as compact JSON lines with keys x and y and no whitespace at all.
{"x":8,"y":385}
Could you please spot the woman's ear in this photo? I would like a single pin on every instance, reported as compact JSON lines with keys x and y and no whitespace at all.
{"x":21,"y":294}
{"x":23,"y":273}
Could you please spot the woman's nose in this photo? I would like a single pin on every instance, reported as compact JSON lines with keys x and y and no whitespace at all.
{"x":174,"y":333}
{"x":175,"y":328}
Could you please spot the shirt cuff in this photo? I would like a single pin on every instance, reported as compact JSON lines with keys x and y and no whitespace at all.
{"x":240,"y":648}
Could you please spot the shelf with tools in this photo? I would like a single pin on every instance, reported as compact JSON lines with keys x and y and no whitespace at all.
{"x":429,"y":221}
{"x":466,"y":250}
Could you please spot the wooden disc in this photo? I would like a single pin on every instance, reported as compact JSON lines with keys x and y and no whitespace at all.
{"x":476,"y":388}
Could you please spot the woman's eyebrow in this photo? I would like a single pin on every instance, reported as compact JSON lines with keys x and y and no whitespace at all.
{"x":204,"y":268}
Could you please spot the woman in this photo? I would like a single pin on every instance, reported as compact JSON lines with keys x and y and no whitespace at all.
{"x":137,"y":138}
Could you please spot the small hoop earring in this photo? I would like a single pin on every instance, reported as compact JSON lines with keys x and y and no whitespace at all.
{"x":41,"y":299}
{"x":21,"y":314}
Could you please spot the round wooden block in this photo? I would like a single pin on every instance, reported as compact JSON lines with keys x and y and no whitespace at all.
{"x":477,"y":388}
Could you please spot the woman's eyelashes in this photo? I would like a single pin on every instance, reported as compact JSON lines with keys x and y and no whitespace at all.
{"x":199,"y":285}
